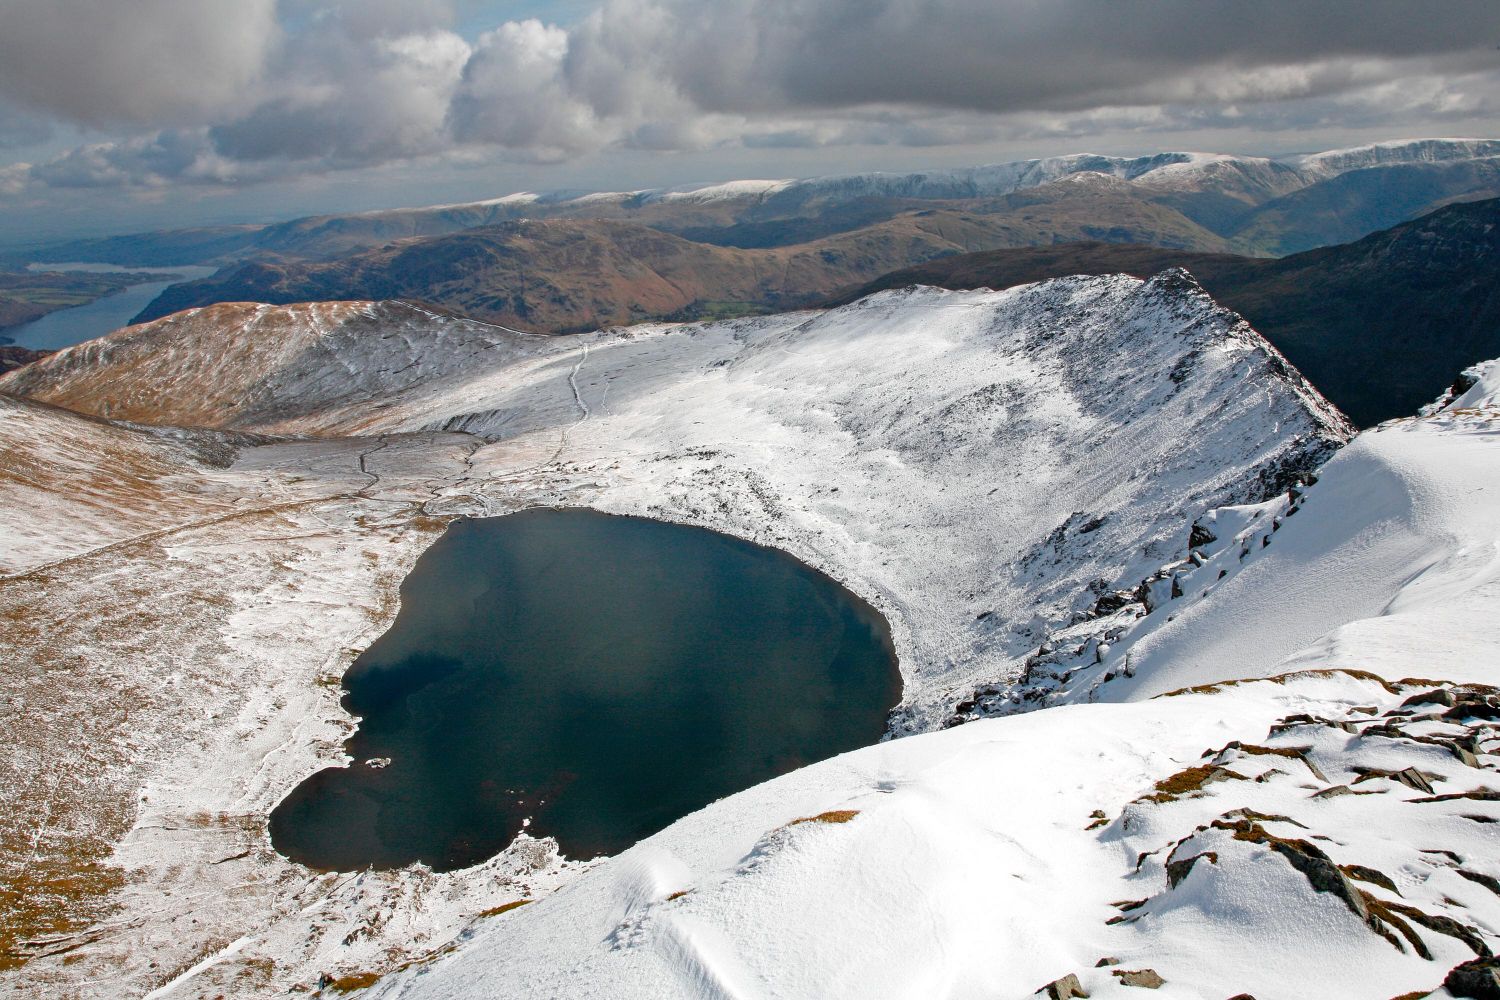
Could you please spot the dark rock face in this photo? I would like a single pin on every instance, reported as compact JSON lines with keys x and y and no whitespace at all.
{"x":1317,"y":867}
{"x":1478,"y":979}
{"x":13,"y":357}
{"x":1178,"y":870}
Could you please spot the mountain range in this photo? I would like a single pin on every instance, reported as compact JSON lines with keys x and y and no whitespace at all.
{"x":567,"y":276}
{"x":277,"y":469}
{"x":1200,"y":201}
{"x":1198,"y":681}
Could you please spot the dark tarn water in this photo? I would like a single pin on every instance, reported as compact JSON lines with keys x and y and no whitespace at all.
{"x":602,"y":676}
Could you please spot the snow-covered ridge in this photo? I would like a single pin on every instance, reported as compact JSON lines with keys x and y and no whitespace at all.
{"x":1476,"y":388}
{"x":1073,"y":425}
{"x":1179,"y":626}
{"x":1337,"y":161}
{"x":1304,"y":808}
{"x":1166,"y":170}
{"x":988,"y":468}
{"x":278,"y":369}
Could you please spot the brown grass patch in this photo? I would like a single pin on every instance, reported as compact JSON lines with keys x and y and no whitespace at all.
{"x":1190,"y":780}
{"x":495,"y":911}
{"x":353,"y":982}
{"x":47,"y":901}
{"x":832,"y":816}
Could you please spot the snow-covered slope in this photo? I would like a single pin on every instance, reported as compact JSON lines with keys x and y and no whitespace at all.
{"x":1031,"y":444}
{"x":1391,"y":550}
{"x":1268,"y":177}
{"x":996,"y":471}
{"x":72,"y":483}
{"x":300,"y":368}
{"x":1337,"y":161}
{"x":1327,"y":831}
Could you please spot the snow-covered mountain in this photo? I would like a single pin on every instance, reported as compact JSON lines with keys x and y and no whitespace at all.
{"x":1337,"y":161}
{"x":1073,"y":426}
{"x":1235,"y":197}
{"x":996,"y":471}
{"x":320,"y":367}
{"x":1334,"y":839}
{"x":1270,"y":176}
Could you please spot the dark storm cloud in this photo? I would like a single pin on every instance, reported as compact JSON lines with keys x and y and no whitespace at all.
{"x":239,"y":90}
{"x":1021,"y":55}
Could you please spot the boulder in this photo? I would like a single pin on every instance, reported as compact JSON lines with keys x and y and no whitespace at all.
{"x":1437,"y":696}
{"x":1146,"y":979}
{"x":1476,"y":979}
{"x":1063,"y":989}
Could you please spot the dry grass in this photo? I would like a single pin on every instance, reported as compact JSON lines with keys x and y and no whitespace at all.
{"x":353,"y":982}
{"x":495,"y":911}
{"x":832,"y":816}
{"x":1190,"y":780}
{"x":47,"y":901}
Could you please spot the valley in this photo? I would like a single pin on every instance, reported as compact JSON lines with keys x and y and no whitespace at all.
{"x":567,"y":262}
{"x":28,"y":296}
{"x":285,"y":555}
{"x":685,"y":500}
{"x":1192,"y":672}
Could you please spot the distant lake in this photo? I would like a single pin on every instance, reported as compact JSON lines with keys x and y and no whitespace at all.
{"x":598,"y":676}
{"x":67,"y":327}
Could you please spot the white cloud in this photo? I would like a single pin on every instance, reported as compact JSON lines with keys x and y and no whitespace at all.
{"x":515,"y":94}
{"x":229,"y":95}
{"x":353,"y":101}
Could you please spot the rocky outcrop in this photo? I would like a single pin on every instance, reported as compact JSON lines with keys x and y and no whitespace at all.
{"x":1478,"y":979}
{"x":13,"y":357}
{"x":1063,"y":989}
{"x":1147,"y":979}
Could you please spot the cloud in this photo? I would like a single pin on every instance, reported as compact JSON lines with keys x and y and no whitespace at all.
{"x":19,"y":128}
{"x":353,"y":101}
{"x":1007,"y":56}
{"x":152,"y":161}
{"x":142,"y":62}
{"x":515,"y":94}
{"x":232,"y":91}
{"x":688,"y":74}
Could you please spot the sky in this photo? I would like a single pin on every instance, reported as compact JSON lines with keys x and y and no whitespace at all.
{"x":120,"y":115}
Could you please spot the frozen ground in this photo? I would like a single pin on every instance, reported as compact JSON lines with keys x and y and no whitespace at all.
{"x":982,"y":466}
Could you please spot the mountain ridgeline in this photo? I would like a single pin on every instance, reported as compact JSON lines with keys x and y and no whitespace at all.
{"x":1374,"y":324}
{"x":607,"y":257}
{"x":568,"y":276}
